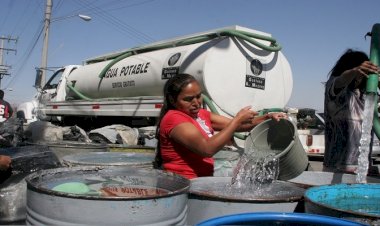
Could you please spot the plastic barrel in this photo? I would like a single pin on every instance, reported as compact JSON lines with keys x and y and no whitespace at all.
{"x":359,"y":202}
{"x":277,"y":218}
{"x":280,"y":138}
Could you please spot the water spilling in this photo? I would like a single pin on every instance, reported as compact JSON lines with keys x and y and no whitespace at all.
{"x":365,"y":140}
{"x":255,"y":172}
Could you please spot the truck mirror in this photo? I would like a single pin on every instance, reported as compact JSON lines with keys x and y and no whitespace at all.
{"x":37,"y":82}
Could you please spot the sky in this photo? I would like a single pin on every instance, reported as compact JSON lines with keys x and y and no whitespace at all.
{"x":313,"y":33}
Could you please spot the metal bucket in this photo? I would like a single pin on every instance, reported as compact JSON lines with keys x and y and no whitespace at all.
{"x":106,"y":196}
{"x":277,"y":218}
{"x":317,"y":178}
{"x":25,"y":160}
{"x":358,"y":202}
{"x":139,"y":160}
{"x":210,"y":197}
{"x":280,"y":138}
{"x":64,"y":148}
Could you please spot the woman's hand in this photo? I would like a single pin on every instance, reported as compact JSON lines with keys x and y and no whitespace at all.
{"x":277,"y":116}
{"x":366,"y":68}
{"x":246,"y":115}
{"x":5,"y":162}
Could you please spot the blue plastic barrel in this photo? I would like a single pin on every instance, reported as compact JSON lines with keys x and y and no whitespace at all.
{"x":276,"y":218}
{"x":359,"y":202}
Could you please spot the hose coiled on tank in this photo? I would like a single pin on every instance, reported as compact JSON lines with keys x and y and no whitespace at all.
{"x":247,"y":36}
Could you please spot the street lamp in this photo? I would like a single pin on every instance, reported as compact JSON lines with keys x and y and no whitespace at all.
{"x":49,"y":20}
{"x":83,"y":17}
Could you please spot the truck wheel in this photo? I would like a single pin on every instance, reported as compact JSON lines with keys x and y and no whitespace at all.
{"x":20,"y":115}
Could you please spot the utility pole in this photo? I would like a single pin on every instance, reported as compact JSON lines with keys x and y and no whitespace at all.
{"x":44,"y":56}
{"x":4,"y":68}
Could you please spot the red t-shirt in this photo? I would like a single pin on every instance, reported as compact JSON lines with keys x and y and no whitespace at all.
{"x":179,"y":159}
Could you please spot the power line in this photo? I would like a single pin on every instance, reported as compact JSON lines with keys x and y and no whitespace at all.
{"x":115,"y":22}
{"x":4,"y":68}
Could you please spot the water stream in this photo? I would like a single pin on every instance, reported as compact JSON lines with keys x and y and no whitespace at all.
{"x":255,"y":170}
{"x":365,"y":140}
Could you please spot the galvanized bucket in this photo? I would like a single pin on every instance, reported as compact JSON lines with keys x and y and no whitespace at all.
{"x":139,"y":160}
{"x":211,"y":197}
{"x":358,"y":202}
{"x":106,"y":196}
{"x":280,"y":138}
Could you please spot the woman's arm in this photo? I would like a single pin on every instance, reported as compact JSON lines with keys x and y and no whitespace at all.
{"x":219,"y":122}
{"x":357,"y":73}
{"x":189,"y":136}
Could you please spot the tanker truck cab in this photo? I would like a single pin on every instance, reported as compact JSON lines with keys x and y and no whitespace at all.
{"x":55,"y":87}
{"x":53,"y":90}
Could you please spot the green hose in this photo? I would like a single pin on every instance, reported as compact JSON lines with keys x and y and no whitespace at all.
{"x":247,"y":36}
{"x":373,"y":80}
{"x":80,"y":95}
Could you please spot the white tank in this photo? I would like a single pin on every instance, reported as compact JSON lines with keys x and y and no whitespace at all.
{"x":232,"y":72}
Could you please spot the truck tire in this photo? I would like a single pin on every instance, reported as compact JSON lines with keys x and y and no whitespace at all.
{"x":21,"y":115}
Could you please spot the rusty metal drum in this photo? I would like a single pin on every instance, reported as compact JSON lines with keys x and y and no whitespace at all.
{"x":96,"y":195}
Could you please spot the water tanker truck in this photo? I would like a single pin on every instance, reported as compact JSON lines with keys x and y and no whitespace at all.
{"x":236,"y":67}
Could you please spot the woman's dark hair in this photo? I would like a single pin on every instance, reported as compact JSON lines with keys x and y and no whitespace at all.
{"x":347,"y":61}
{"x":172,"y":89}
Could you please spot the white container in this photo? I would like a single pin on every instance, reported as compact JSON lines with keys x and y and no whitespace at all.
{"x":251,"y":75}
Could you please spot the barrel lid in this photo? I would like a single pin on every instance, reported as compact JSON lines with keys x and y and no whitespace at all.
{"x":107,"y":182}
{"x":109,"y":158}
{"x":220,"y":188}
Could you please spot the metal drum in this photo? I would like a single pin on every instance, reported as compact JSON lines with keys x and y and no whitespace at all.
{"x":212,"y":197}
{"x":106,"y":196}
{"x":130,"y":148}
{"x":25,"y":160}
{"x":140,"y":160}
{"x":63,"y":148}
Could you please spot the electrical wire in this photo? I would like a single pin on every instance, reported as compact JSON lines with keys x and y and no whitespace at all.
{"x":115,"y":22}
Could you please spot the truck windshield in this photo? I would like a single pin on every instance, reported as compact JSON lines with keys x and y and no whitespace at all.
{"x":54,"y":80}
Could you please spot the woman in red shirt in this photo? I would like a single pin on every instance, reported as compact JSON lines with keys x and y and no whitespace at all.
{"x":186,"y":138}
